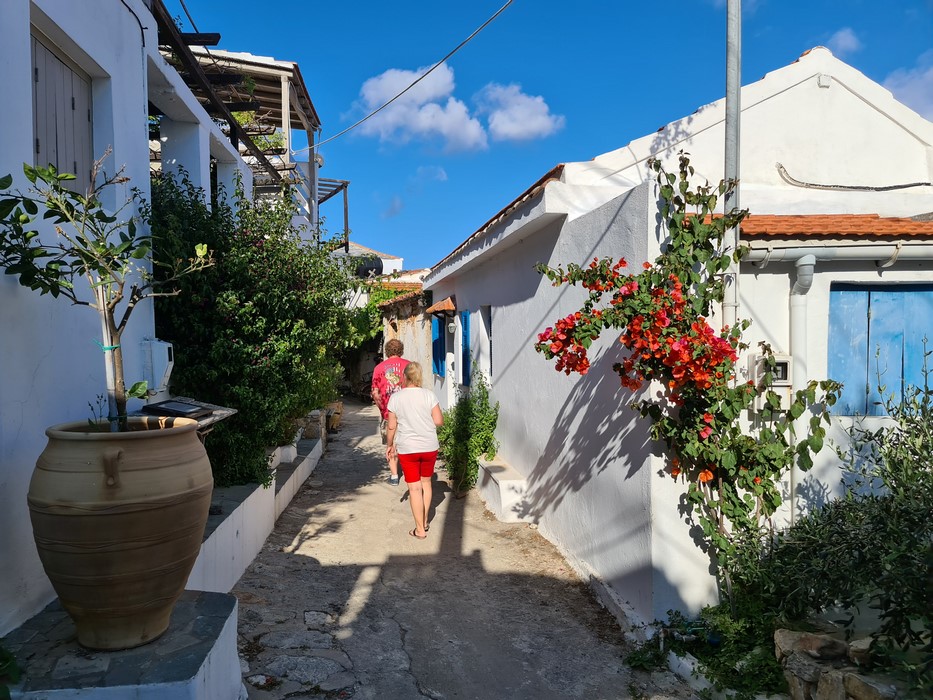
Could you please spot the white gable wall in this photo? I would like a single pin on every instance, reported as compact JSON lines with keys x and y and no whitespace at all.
{"x":819,"y":117}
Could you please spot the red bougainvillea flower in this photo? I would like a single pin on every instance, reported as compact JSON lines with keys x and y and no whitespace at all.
{"x":708,"y":417}
{"x":646,"y":265}
{"x":706,"y":432}
{"x":675,"y":472}
{"x":705,"y":476}
{"x":757,"y":479}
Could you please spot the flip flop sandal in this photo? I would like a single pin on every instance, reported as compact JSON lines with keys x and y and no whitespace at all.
{"x":418,"y":537}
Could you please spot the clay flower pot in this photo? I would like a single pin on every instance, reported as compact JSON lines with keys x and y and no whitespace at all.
{"x":118,"y":520}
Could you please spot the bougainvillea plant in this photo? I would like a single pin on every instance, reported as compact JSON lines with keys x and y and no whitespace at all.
{"x":731,"y":465}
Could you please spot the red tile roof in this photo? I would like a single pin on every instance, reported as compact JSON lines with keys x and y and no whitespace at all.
{"x":401,"y":298}
{"x":834,"y":225}
{"x":448,"y":304}
{"x":400,"y":286}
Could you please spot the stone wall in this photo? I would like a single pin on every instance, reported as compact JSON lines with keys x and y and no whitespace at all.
{"x":821,"y":667}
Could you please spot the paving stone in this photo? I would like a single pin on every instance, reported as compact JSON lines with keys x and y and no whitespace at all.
{"x":313,"y":670}
{"x":338,"y":681}
{"x":74,"y":666}
{"x":302,"y":639}
{"x":318,"y":620}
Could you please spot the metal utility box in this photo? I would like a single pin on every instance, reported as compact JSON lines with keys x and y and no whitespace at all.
{"x":781,"y":379}
{"x":158,"y":361}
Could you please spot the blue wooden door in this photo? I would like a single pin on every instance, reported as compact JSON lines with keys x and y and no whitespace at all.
{"x":465,"y":347}
{"x":438,"y":349}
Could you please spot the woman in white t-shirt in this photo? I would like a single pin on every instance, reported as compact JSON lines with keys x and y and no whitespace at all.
{"x":414,"y":416}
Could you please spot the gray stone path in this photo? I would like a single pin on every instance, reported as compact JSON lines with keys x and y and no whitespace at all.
{"x":343,"y":603}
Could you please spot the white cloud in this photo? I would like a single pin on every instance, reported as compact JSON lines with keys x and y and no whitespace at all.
{"x":914,"y":86}
{"x":844,"y":42}
{"x":427,"y":110}
{"x":430,"y":172}
{"x":395,"y":207}
{"x":515,"y":116}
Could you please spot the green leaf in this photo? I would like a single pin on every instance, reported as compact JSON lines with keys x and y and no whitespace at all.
{"x":200,"y":250}
{"x":728,"y":461}
{"x":7,"y":206}
{"x":139,"y":390}
{"x":6,"y":181}
{"x":30,"y":173}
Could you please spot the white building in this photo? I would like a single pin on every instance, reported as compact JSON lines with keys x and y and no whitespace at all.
{"x":592,"y":478}
{"x":79,"y":78}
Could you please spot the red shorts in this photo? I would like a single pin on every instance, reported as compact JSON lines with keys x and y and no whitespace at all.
{"x":417,"y":465}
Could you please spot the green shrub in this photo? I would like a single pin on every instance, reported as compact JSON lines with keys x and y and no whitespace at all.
{"x":469,"y":431}
{"x":871,"y":548}
{"x":260,"y":332}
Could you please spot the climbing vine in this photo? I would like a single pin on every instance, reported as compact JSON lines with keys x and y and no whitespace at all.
{"x":731,"y":467}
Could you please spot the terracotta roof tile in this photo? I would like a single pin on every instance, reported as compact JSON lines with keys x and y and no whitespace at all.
{"x":400,"y":286}
{"x":401,"y":298}
{"x":444,"y":305}
{"x":834,"y":225}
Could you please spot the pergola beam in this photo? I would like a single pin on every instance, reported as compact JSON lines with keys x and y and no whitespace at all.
{"x":196,"y":73}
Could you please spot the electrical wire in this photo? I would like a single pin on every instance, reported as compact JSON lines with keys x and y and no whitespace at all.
{"x":782,"y":171}
{"x":411,"y":85}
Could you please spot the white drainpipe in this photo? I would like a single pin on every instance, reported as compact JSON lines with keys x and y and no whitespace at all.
{"x":798,"y":348}
{"x":805,"y":259}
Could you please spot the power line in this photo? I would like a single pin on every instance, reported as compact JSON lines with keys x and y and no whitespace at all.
{"x":413,"y":83}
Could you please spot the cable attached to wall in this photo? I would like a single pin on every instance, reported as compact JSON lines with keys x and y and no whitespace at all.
{"x":850,"y":188}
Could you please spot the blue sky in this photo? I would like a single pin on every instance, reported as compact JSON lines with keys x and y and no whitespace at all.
{"x":547,"y":82}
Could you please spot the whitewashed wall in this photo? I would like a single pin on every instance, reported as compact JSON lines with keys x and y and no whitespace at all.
{"x":50,"y":366}
{"x":593,"y":485}
{"x":597,"y":490}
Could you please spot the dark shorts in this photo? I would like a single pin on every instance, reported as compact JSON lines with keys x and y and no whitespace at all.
{"x":417,"y":465}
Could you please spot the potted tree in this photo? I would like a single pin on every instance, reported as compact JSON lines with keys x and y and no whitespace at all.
{"x":118,"y":503}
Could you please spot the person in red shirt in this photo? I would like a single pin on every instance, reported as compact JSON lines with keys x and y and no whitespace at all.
{"x":387,"y":379}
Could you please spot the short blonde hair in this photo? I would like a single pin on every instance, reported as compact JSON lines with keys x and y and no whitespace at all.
{"x":413,"y":374}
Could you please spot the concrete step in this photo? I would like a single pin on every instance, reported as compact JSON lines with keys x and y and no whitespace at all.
{"x":503,"y":488}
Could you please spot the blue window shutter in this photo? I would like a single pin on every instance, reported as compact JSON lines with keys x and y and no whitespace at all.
{"x":848,"y":348}
{"x":437,"y":346}
{"x":885,"y":348}
{"x":877,"y":330}
{"x":918,"y":310}
{"x":465,"y":346}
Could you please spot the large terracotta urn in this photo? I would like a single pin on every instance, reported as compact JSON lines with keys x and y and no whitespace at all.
{"x":118,"y":520}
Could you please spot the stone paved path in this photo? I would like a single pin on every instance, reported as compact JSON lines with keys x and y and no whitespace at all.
{"x":343,"y":603}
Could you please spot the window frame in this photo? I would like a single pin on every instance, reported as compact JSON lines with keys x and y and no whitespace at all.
{"x":62,"y":112}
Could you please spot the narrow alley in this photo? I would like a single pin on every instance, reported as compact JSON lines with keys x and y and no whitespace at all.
{"x":343,"y":603}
